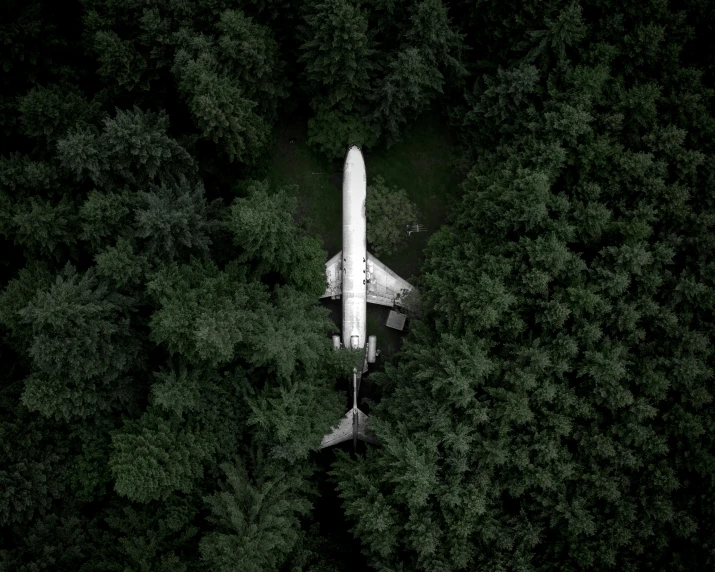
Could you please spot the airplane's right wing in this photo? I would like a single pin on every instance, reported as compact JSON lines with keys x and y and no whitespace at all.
{"x":334,"y":275}
{"x":343,"y":432}
{"x":384,"y":286}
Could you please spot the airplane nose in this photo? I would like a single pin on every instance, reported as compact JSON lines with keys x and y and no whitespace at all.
{"x":354,"y":152}
{"x":353,"y":158}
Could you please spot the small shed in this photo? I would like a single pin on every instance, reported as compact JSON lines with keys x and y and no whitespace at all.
{"x":396,"y":320}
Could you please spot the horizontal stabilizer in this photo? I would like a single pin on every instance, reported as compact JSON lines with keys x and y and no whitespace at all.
{"x":342,"y":432}
{"x":346,"y":430}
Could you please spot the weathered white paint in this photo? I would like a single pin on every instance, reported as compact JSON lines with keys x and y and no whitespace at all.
{"x":354,"y":290}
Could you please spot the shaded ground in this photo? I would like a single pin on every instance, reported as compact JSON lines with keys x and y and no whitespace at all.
{"x":319,"y":201}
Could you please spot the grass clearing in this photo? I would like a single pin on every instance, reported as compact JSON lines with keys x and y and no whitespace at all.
{"x":419,"y":164}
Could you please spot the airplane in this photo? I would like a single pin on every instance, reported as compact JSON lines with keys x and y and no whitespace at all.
{"x":356,"y":276}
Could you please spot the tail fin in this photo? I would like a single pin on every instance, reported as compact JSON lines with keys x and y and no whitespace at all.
{"x":353,"y":425}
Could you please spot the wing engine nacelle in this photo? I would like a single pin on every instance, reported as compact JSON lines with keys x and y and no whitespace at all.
{"x":371,"y":349}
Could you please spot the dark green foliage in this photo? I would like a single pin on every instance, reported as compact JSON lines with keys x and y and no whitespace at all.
{"x":566,"y":30}
{"x":415,"y":73}
{"x":178,"y":392}
{"x":218,"y":107}
{"x":18,"y":293}
{"x":42,"y":227}
{"x":250,"y":55}
{"x":338,"y":52}
{"x":409,"y":86}
{"x":20,"y":173}
{"x":341,"y":61}
{"x":257,"y":524}
{"x":290,"y":332}
{"x":432,"y":32}
{"x":389,"y":211}
{"x":29,"y":477}
{"x":332,"y":131}
{"x":155,"y":456}
{"x":51,"y":542}
{"x":172,"y":219}
{"x":104,"y":216}
{"x":529,"y":424}
{"x":132,"y":148}
{"x":166,"y":373}
{"x":263,"y":227}
{"x":81,"y":348}
{"x":315,"y":553}
{"x":119,"y":61}
{"x":121,"y":265}
{"x":202,"y":313}
{"x":231,"y":85}
{"x":30,"y":48}
{"x":153,"y":536}
{"x":363,"y":92}
{"x":48,"y":112}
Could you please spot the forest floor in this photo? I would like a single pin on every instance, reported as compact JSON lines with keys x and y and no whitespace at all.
{"x":420,"y":164}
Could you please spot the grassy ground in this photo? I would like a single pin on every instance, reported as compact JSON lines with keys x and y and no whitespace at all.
{"x":419,"y":164}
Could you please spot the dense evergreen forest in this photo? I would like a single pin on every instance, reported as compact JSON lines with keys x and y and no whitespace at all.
{"x":166,"y":371}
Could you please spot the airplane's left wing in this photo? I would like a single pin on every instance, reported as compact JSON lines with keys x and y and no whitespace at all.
{"x":343,"y":432}
{"x":384,"y":286}
{"x":334,"y":275}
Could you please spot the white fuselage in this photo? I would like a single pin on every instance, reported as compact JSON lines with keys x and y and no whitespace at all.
{"x":354,"y":249}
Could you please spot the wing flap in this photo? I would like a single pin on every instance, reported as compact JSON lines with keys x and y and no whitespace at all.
{"x":384,"y":286}
{"x":334,"y":276}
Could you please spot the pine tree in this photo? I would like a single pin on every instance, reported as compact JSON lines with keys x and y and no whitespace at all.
{"x":331,"y":131}
{"x":263,"y":228}
{"x":256,"y":524}
{"x":45,"y":228}
{"x":156,"y":455}
{"x":389,"y":212}
{"x":431,"y":30}
{"x":48,"y":112}
{"x":410,"y":84}
{"x":202,"y":312}
{"x":173,"y":219}
{"x":250,"y":55}
{"x":133,"y":148}
{"x":338,"y":51}
{"x":219,"y":106}
{"x":82,"y":347}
